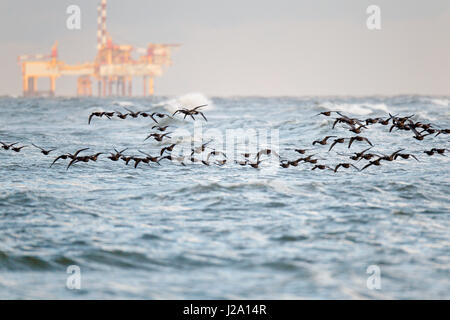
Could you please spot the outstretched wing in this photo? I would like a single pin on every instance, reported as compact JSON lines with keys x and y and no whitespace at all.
{"x":78,"y":151}
{"x":204,"y":105}
{"x":37,"y":147}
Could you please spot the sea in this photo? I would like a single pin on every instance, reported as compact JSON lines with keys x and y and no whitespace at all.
{"x":203,"y":230}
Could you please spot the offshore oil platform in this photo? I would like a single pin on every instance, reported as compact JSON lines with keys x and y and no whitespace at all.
{"x":113,"y":68}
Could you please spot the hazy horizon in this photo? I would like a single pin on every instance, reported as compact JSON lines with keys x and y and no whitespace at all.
{"x":255,"y":48}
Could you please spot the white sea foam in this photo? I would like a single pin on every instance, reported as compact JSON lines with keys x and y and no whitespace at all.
{"x":124,"y":103}
{"x":441,"y":102}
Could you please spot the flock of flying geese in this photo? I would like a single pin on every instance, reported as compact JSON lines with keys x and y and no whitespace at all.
{"x":356,"y":126}
{"x":186,"y":112}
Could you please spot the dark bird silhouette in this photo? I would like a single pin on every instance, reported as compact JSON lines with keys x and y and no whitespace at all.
{"x":191,"y":112}
{"x":368,"y":156}
{"x":358,"y":138}
{"x":400,"y":126}
{"x":162,"y":129}
{"x":440,"y":151}
{"x":386,"y":121}
{"x":313,"y":161}
{"x":345,"y":165}
{"x":169,"y":148}
{"x":429,"y":130}
{"x":321,"y":167}
{"x":285,"y":164}
{"x":301,"y":151}
{"x":405,"y":156}
{"x":323,"y":141}
{"x":121,"y":115}
{"x":372,"y":120}
{"x":326,"y":113}
{"x":78,"y":159}
{"x":201,"y":148}
{"x":426,"y":127}
{"x":443,"y":131}
{"x":160,"y":115}
{"x":8,"y":146}
{"x":196,"y":112}
{"x":126,"y":159}
{"x":151,"y":158}
{"x":185,"y":112}
{"x":158,"y":137}
{"x":400,"y":119}
{"x":308,"y":159}
{"x":68,"y":156}
{"x":336,"y":141}
{"x":295,"y":163}
{"x":116,"y":156}
{"x":390,"y":157}
{"x":266,"y":152}
{"x":100,"y":115}
{"x":339,"y":120}
{"x":18,"y":149}
{"x":419,"y":124}
{"x":355,"y":129}
{"x":139,"y":160}
{"x":132,"y":113}
{"x":359,"y":155}
{"x":43,"y":151}
{"x":146,"y":114}
{"x":417,"y":135}
{"x":94,"y":157}
{"x":347,"y":120}
{"x":376,"y":162}
{"x":74,"y":161}
{"x":215,"y":153}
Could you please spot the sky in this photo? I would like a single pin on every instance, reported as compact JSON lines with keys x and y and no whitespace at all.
{"x":248,"y":47}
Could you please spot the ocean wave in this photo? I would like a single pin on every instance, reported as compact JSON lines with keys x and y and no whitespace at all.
{"x":276,"y":185}
{"x":197,"y":223}
{"x":16,"y":262}
{"x":126,"y":104}
{"x":99,"y":258}
{"x":440,"y":102}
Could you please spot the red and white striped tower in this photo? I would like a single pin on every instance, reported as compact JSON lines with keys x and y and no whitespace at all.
{"x":101,"y":42}
{"x":101,"y":25}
